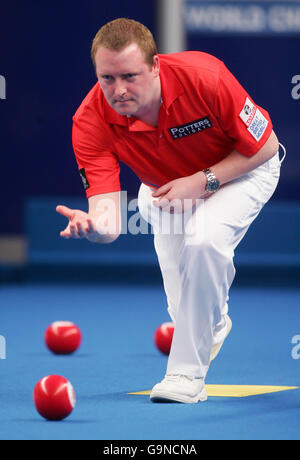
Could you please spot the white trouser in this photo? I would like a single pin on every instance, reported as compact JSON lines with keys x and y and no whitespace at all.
{"x":196,"y":261}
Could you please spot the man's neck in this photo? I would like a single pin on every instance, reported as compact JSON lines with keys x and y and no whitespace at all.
{"x":150,"y":115}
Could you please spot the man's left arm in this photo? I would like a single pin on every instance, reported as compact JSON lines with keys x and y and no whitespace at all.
{"x":233,"y":166}
{"x":236,"y":165}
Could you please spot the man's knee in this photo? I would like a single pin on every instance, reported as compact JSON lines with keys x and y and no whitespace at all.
{"x":207,"y":249}
{"x":209,"y":240}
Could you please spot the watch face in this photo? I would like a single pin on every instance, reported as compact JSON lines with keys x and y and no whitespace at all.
{"x":212,"y":186}
{"x":212,"y":182}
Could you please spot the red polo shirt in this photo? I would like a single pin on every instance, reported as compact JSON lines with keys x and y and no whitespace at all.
{"x":205,"y":115}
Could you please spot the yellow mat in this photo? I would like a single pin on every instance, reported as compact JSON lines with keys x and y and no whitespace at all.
{"x":234,"y":391}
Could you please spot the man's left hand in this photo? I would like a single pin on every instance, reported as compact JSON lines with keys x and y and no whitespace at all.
{"x":180,"y":195}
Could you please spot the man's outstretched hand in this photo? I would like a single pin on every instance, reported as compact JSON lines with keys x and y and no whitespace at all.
{"x":80,"y":224}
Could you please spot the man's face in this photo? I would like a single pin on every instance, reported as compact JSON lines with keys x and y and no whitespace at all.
{"x":128,"y":83}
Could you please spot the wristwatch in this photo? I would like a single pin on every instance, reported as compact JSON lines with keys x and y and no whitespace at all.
{"x":212,"y":182}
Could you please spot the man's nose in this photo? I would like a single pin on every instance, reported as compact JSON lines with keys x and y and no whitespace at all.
{"x":120,"y":89}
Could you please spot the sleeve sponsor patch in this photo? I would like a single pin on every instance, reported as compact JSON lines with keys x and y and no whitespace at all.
{"x":83,"y":178}
{"x":254,"y":120}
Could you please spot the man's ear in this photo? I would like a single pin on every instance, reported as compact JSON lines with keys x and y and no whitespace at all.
{"x":156,"y":66}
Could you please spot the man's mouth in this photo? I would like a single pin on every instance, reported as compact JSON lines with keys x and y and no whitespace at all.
{"x":123,"y":100}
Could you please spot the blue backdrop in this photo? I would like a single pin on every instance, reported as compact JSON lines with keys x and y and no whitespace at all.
{"x":45,"y":59}
{"x":46,"y":65}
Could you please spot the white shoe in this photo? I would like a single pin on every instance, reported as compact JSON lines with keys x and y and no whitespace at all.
{"x":217,"y":347}
{"x":179,"y":388}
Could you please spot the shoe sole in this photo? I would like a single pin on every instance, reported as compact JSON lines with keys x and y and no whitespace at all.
{"x":216,"y":348}
{"x":166,"y":396}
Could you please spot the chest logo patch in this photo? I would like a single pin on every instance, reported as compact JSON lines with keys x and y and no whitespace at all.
{"x":190,"y":128}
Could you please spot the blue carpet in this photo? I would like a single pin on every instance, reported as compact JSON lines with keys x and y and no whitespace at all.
{"x":118,"y":356}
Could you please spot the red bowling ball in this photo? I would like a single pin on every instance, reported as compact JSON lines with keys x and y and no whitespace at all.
{"x":63,"y":337}
{"x":54,"y":397}
{"x":163,"y":337}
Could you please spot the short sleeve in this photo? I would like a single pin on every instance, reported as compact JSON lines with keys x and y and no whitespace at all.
{"x":244,"y":122}
{"x":98,"y":166}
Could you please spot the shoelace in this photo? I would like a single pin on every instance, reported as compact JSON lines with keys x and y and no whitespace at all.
{"x":176,"y":378}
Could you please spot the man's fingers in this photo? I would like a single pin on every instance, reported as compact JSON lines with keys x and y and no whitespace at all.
{"x":174,"y":205}
{"x":90,"y":226}
{"x":65,"y":233}
{"x":82,"y":230}
{"x":166,"y":200}
{"x":162,"y":190}
{"x":76,"y":228}
{"x":161,"y":203}
{"x":73,"y":231}
{"x":65,"y":211}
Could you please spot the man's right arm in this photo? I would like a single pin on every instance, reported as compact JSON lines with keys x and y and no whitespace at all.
{"x":102,"y":223}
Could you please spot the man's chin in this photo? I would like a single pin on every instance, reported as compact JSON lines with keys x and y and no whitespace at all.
{"x":124,"y":110}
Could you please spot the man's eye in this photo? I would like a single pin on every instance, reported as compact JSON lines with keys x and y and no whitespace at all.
{"x":130,"y":76}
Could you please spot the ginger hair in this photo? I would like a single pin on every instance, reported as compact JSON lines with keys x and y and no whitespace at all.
{"x":122,"y":32}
